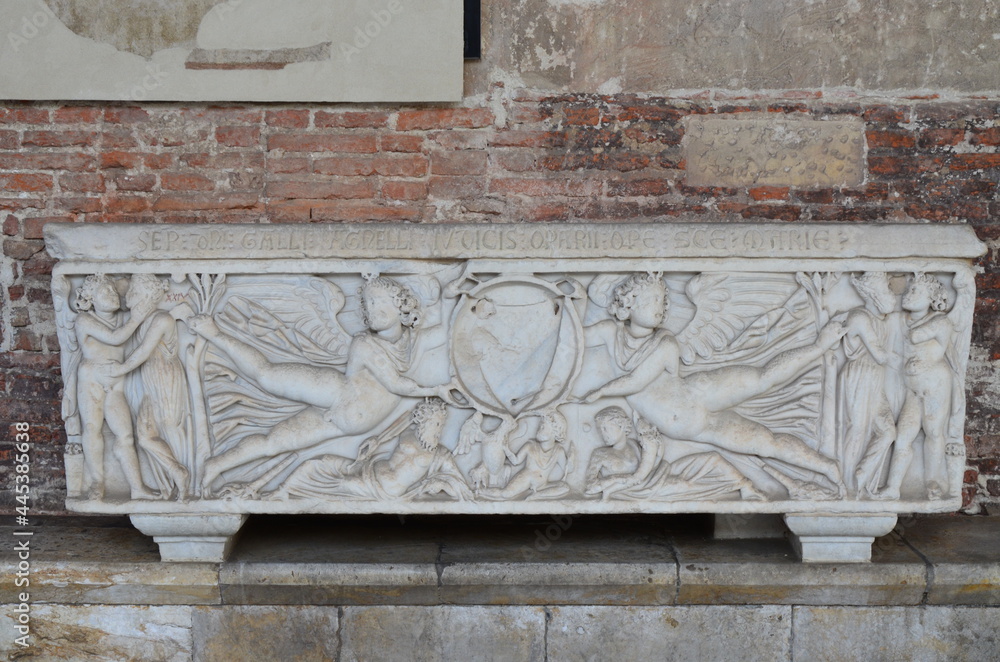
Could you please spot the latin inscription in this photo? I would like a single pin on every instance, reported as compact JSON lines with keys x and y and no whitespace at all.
{"x":486,"y":241}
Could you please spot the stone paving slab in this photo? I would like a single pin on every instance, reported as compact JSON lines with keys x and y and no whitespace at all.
{"x":889,"y":634}
{"x":303,"y":634}
{"x":669,"y":633}
{"x":965,"y":555}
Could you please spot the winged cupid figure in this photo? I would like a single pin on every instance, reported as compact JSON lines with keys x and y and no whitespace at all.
{"x":701,"y":406}
{"x":340,"y":400}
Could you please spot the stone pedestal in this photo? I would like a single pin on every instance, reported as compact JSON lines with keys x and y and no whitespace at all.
{"x":837,"y":538}
{"x":194,"y":538}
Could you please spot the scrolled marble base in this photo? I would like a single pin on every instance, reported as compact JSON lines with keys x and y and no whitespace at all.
{"x":191,"y":538}
{"x":837,"y":538}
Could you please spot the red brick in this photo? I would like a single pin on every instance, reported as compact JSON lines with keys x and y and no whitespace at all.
{"x":9,"y":140}
{"x":993,"y":487}
{"x":350,"y":210}
{"x":288,"y":119}
{"x":989,"y":137}
{"x":26,"y":340}
{"x":11,"y":226}
{"x":82,"y":182}
{"x":21,"y":249}
{"x":25,"y":182}
{"x":405,"y":190}
{"x":238,"y":136}
{"x":456,"y":188}
{"x":224,"y":115}
{"x":125,"y":115}
{"x":71,"y":162}
{"x":542,"y":139}
{"x":548,"y":212}
{"x":118,"y":140}
{"x":886,"y":114}
{"x":410,"y":165}
{"x":322,"y":190}
{"x":458,"y":163}
{"x":318,"y":142}
{"x":663,"y":113}
{"x":15,"y":204}
{"x":459,"y":139}
{"x":890,"y":139}
{"x":822,"y":197}
{"x":77,"y":115}
{"x":34,"y":227}
{"x":78,"y":205}
{"x":761,"y":193}
{"x":973,"y":161}
{"x":941,"y":137}
{"x":27,"y":115}
{"x":158,"y":161}
{"x":603,"y":161}
{"x":638,"y":187}
{"x":143,"y":182}
{"x":289,"y":165}
{"x":444,"y":118}
{"x":786,"y":213}
{"x":397,"y":142}
{"x":205,"y":202}
{"x":59,"y":138}
{"x":352,"y":120}
{"x":127,"y":204}
{"x":174,"y":181}
{"x":583,"y":116}
{"x":517,"y":160}
{"x":120,"y":160}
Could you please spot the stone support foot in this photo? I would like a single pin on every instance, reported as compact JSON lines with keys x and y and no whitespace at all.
{"x":192,"y":538}
{"x":837,"y":538}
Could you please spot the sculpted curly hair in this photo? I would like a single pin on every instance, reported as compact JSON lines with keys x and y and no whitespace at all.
{"x":626,"y":293}
{"x":615,"y":415}
{"x":557,"y":423}
{"x":935,"y":290}
{"x":402,"y":297}
{"x":148,"y":288}
{"x":430,"y":409}
{"x":85,"y":295}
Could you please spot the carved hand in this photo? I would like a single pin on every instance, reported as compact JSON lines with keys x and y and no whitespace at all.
{"x":203,"y":325}
{"x":830,"y":334}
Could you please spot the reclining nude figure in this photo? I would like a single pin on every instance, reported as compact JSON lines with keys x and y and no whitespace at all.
{"x":699,"y":407}
{"x":341,"y":403}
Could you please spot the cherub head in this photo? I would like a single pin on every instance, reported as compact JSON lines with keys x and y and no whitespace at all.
{"x":925,"y":292}
{"x":553,"y":427}
{"x":873,"y":286}
{"x":614,"y":425}
{"x":98,"y":291}
{"x":429,"y":417}
{"x":642,"y":298}
{"x":145,"y":291}
{"x":384,"y":301}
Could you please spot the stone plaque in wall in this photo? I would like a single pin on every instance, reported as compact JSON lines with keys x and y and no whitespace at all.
{"x":813,"y":370}
{"x":767,"y":150}
{"x":232,"y":50}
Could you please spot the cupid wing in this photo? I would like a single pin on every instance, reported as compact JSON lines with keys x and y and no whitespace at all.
{"x":294,"y":323}
{"x":70,"y":355}
{"x":726,"y":306}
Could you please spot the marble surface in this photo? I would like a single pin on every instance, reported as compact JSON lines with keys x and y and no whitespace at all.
{"x":814,"y":371}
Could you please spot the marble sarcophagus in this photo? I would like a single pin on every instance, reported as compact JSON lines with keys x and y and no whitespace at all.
{"x":212,"y":371}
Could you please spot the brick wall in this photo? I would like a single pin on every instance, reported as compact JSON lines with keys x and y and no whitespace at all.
{"x":507,"y":155}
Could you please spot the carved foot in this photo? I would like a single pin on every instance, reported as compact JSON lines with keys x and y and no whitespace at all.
{"x":837,"y":538}
{"x":192,"y":538}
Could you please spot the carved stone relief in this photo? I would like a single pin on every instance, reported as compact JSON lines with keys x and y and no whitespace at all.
{"x":479,"y":385}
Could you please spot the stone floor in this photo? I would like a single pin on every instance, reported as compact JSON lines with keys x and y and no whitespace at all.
{"x":546,"y":589}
